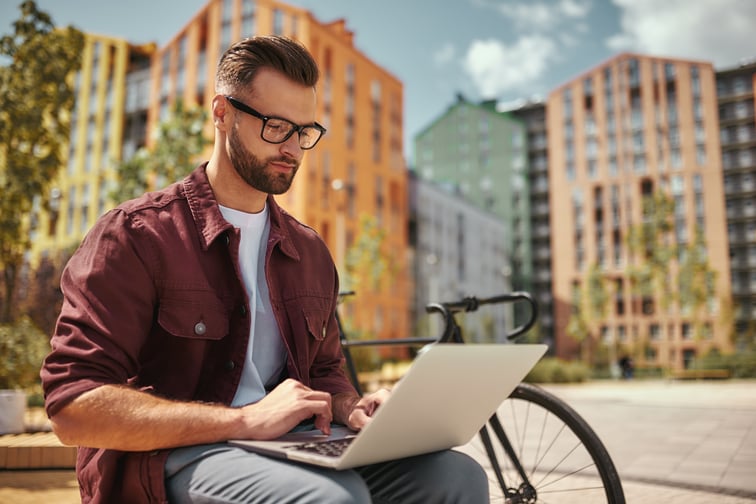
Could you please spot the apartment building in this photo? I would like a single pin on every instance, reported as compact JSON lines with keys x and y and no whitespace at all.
{"x":482,"y":153}
{"x":735,"y":91}
{"x":629,"y":128}
{"x":108,"y":100}
{"x":458,"y":250}
{"x":533,"y":114}
{"x":357,"y":169}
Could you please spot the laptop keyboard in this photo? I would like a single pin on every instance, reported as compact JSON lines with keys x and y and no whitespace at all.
{"x":332,"y":448}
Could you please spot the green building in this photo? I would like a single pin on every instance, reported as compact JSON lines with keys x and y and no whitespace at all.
{"x":481,"y":154}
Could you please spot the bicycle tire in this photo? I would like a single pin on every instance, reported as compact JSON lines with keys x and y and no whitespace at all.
{"x":564,"y":459}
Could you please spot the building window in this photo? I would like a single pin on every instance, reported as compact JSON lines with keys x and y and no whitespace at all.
{"x":248,"y":18}
{"x":669,"y":71}
{"x":278,"y":22}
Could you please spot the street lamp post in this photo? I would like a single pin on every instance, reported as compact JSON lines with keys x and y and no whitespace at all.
{"x":338,"y":186}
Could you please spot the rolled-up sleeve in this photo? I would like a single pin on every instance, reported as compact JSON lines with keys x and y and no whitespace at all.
{"x":108,"y":305}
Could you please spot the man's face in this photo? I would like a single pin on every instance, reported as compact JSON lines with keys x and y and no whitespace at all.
{"x":260,"y":173}
{"x":267,"y":167}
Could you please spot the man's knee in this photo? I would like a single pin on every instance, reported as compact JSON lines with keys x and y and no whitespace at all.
{"x":442,"y":477}
{"x":218,"y":473}
{"x":459,"y":478}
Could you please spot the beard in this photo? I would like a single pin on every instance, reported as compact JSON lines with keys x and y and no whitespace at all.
{"x":255,"y":171}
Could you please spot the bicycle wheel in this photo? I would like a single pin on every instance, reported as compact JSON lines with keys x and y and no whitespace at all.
{"x":563,"y":458}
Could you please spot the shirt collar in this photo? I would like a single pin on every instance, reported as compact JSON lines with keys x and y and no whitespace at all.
{"x":210,"y":222}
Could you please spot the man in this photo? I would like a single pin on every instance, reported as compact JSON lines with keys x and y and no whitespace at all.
{"x":204,"y":312}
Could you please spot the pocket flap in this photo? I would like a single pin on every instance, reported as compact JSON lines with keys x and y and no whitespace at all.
{"x":202,"y":317}
{"x":317,"y":322}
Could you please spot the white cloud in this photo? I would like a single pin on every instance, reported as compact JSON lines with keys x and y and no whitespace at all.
{"x":575,"y":9}
{"x":720,"y":31}
{"x":543,"y":16}
{"x":495,"y":67}
{"x":445,"y":54}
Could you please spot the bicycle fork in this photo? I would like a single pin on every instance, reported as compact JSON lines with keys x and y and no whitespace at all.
{"x":526,"y":492}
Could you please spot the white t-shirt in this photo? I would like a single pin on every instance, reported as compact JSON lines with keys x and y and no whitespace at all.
{"x":266,"y":354}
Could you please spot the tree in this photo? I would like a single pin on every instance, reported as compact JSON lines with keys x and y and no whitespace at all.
{"x":38,"y":294}
{"x":590,"y":304}
{"x":695,"y":281}
{"x":365,"y":262}
{"x":652,"y":242}
{"x":178,"y":143}
{"x":653,"y":248}
{"x":36,"y":99}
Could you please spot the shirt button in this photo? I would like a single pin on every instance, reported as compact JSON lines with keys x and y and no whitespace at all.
{"x":226,"y":239}
{"x":243,"y":310}
{"x":230,"y":365}
{"x":200,"y":328}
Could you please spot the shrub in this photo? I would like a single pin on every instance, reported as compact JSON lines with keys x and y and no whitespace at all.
{"x":553,"y":370}
{"x":23,"y":347}
{"x":739,"y":364}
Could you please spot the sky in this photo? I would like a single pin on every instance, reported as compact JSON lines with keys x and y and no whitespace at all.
{"x":509,"y":50}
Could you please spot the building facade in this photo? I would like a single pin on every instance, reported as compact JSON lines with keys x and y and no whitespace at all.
{"x":628,"y":129}
{"x":482,"y":154}
{"x":458,"y":250}
{"x":100,"y":123}
{"x":533,"y":114}
{"x":735,"y":90}
{"x":357,"y":169}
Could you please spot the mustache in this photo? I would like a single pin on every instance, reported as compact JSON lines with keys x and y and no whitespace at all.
{"x":285,"y":160}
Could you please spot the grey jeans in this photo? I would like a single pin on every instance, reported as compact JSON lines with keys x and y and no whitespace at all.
{"x":219,"y":473}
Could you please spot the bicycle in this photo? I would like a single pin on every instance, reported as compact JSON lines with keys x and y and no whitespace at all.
{"x":537,"y":446}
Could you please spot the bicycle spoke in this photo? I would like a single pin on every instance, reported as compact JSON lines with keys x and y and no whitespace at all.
{"x":561,"y":457}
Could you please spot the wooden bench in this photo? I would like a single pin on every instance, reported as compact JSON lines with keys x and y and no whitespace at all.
{"x":39,"y":450}
{"x":701,"y":374}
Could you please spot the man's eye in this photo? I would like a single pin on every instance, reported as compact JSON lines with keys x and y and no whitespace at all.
{"x":276,"y":126}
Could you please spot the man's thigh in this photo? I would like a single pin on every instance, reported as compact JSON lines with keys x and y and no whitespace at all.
{"x":441,"y":477}
{"x":221,"y":473}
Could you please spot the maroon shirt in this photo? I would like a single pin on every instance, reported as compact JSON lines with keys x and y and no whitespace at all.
{"x":154,"y":299}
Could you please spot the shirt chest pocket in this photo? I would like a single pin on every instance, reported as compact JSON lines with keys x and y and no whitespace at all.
{"x":197,"y":317}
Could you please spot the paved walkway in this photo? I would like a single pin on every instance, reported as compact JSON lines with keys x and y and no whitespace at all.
{"x":698,"y":435}
{"x":672,"y":442}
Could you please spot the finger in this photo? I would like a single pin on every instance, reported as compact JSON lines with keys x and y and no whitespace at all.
{"x":358,"y":419}
{"x":323,"y":424}
{"x":323,"y":418}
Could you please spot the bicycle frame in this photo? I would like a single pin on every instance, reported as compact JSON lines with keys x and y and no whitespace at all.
{"x":453,"y":334}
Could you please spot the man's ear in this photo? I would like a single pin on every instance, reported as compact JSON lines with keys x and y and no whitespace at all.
{"x":220,"y":112}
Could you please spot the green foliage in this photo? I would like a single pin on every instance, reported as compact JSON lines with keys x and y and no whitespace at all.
{"x":553,"y":370}
{"x":365,"y":261}
{"x":36,"y":99}
{"x":23,"y":347}
{"x":178,"y":142}
{"x":653,"y":249}
{"x":597,"y":294}
{"x":739,"y":364}
{"x":695,"y":278}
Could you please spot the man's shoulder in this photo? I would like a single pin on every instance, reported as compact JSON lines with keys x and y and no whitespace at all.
{"x":195,"y":184}
{"x":153,"y":200}
{"x":298,"y":227}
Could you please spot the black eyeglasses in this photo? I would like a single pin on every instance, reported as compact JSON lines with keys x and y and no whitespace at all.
{"x":277,"y":130}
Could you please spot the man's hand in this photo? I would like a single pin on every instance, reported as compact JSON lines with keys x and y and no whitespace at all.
{"x":121,"y":418}
{"x":364,"y":409}
{"x":285,"y":407}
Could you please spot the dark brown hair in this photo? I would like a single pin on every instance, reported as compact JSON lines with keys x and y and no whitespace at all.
{"x":240,"y":63}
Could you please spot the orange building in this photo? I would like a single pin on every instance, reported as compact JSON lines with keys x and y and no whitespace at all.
{"x":125,"y":91}
{"x":629,"y":128}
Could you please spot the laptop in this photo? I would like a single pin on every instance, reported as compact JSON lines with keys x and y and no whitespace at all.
{"x":442,"y":401}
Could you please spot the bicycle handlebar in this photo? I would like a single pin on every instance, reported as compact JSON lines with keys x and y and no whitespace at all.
{"x":472,"y":303}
